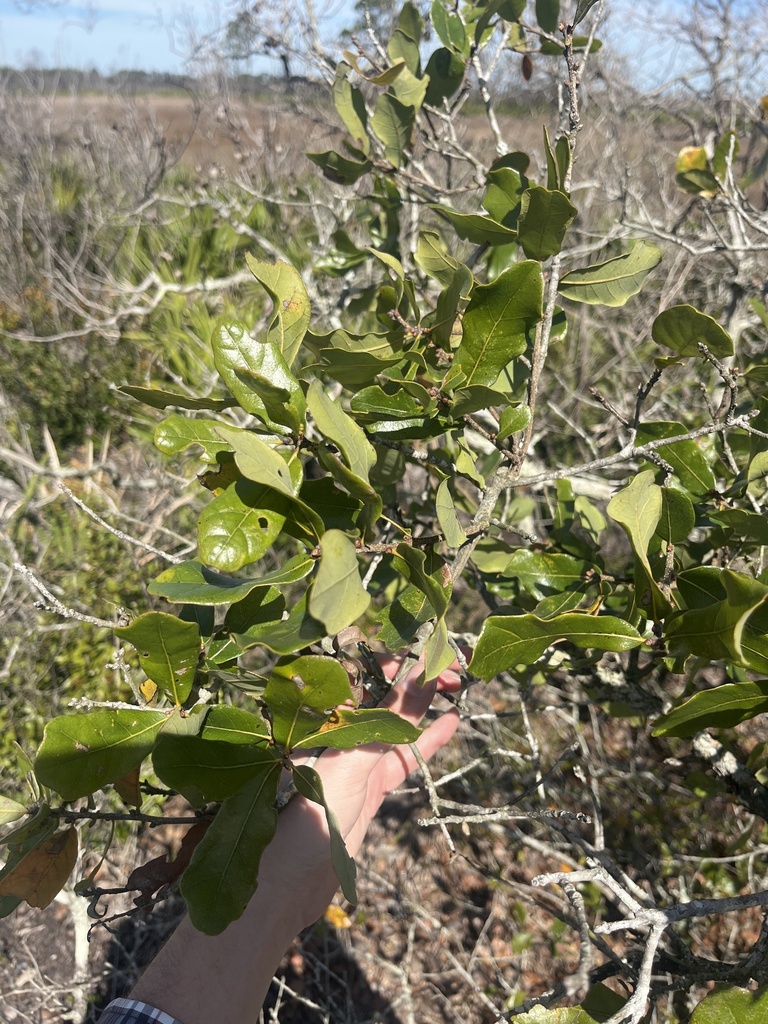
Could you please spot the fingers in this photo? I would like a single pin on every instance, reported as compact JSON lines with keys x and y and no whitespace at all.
{"x":398,"y":763}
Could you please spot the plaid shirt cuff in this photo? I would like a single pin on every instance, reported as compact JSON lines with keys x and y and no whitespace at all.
{"x":131,"y":1011}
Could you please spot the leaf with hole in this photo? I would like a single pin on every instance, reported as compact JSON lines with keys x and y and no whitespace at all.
{"x":241,"y":524}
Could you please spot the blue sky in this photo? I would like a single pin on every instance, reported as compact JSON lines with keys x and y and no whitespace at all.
{"x":107,"y":34}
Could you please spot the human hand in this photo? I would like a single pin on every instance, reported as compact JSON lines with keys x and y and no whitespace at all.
{"x":355,"y":783}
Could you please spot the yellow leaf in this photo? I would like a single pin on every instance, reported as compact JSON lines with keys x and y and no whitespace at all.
{"x":148,"y":690}
{"x":691,"y":158}
{"x":43,"y":871}
{"x":337,"y":917}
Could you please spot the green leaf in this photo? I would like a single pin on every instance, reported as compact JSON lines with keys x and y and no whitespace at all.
{"x":449,"y":28}
{"x":10,"y":810}
{"x":224,"y":722}
{"x":503,"y":194}
{"x":685,"y":457}
{"x":582,"y":10}
{"x":262,"y":605}
{"x":545,"y":216}
{"x":444,"y":75}
{"x":300,"y":695}
{"x":512,"y":420}
{"x":412,"y":564}
{"x":262,"y":463}
{"x":340,"y":169}
{"x":157,"y":398}
{"x":291,"y":315}
{"x":204,"y":770}
{"x":169,"y":651}
{"x":350,"y":107}
{"x":719,"y":708}
{"x":732,"y":1006}
{"x":310,"y":785}
{"x":552,"y":49}
{"x":509,"y":640}
{"x":402,"y":619}
{"x":496,"y":321}
{"x":434,"y":259}
{"x":410,"y":90}
{"x":613,"y":282}
{"x":338,"y":597}
{"x":698,"y":182}
{"x":548,"y":15}
{"x":240,"y":525}
{"x":193,"y":583}
{"x":336,"y":426}
{"x":347,"y":728}
{"x":473,"y":227}
{"x":176,"y":433}
{"x":638,"y":508}
{"x":723,"y":631}
{"x":552,"y":181}
{"x":678,"y":516}
{"x":561,"y":1015}
{"x":405,"y":41}
{"x":81,"y":753}
{"x":222,"y":875}
{"x":445,"y":507}
{"x":681,"y":328}
{"x":284,"y":636}
{"x":742,"y":523}
{"x":392,"y":123}
{"x":538,"y":571}
{"x":256,"y":373}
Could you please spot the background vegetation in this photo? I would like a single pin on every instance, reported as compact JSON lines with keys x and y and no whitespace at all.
{"x":126,"y":223}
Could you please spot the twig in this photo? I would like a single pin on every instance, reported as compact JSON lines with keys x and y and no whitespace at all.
{"x":55,"y":604}
{"x":133,"y":541}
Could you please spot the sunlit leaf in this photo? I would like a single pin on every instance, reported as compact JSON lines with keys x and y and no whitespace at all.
{"x":300,"y":695}
{"x":168,"y":649}
{"x":722,"y":707}
{"x":240,"y":525}
{"x":509,"y":640}
{"x":496,"y":321}
{"x":290,"y":318}
{"x":732,"y":1006}
{"x":82,"y":753}
{"x":613,"y":282}
{"x":194,"y":583}
{"x":681,"y":328}
{"x":337,"y":597}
